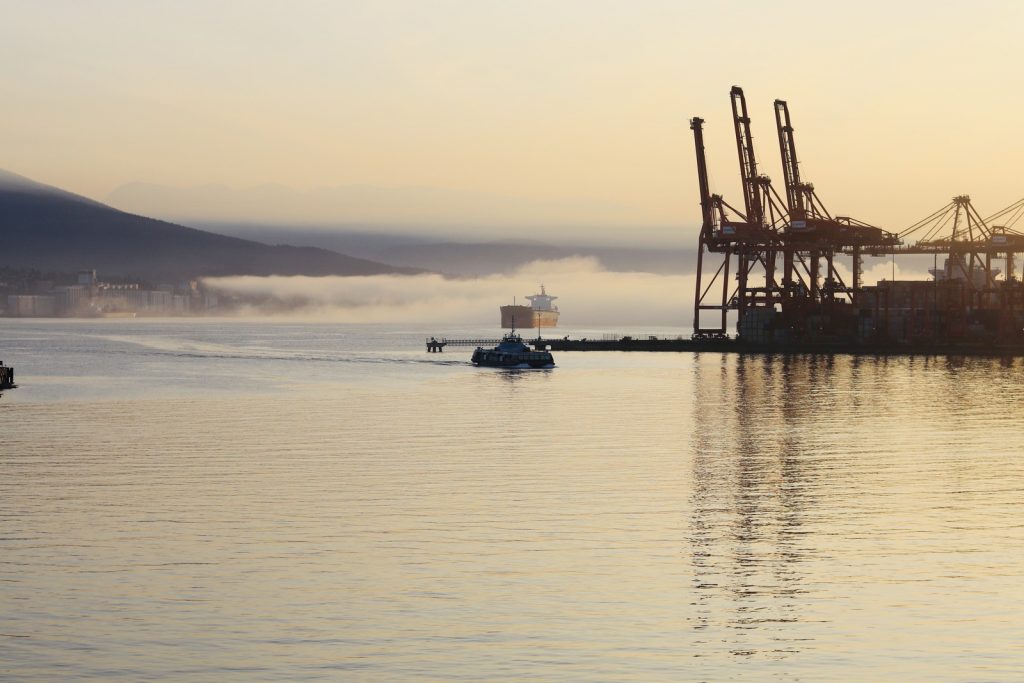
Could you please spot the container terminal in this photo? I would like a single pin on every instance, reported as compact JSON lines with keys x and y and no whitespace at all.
{"x":775,"y":264}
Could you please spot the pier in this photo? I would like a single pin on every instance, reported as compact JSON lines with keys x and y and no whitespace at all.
{"x":435,"y":345}
{"x":725,"y":344}
{"x":643,"y":343}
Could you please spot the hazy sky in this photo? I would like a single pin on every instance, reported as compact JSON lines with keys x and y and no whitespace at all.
{"x":573,"y":106}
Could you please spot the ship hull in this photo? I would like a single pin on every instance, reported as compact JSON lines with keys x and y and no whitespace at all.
{"x":512,"y":361}
{"x":525,"y":317}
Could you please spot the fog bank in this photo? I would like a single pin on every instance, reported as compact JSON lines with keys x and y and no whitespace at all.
{"x":587,"y":295}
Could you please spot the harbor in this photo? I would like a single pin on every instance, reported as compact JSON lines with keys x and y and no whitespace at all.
{"x":789,"y":273}
{"x":404,"y":342}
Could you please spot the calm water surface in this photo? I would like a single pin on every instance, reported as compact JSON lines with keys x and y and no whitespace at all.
{"x":230,"y":501}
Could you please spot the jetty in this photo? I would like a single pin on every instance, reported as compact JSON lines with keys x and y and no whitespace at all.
{"x":435,"y":345}
{"x":730,"y":344}
{"x":608,"y":343}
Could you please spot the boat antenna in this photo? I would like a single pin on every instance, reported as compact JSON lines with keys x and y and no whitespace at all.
{"x":513,"y":316}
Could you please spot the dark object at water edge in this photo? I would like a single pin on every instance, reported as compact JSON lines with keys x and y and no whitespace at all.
{"x":511,"y":352}
{"x":6,"y":377}
{"x":726,"y":344}
{"x":733,"y":345}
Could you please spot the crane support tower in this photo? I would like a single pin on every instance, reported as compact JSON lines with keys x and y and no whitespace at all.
{"x":749,"y":237}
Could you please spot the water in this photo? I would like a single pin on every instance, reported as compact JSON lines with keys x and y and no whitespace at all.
{"x":228,"y":501}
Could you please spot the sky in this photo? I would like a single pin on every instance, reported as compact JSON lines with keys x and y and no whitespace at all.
{"x":555,"y":118}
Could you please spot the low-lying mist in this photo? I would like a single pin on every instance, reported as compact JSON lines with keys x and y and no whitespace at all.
{"x":588,"y":295}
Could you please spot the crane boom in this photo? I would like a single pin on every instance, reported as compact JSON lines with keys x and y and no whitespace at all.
{"x":697,"y":126}
{"x":790,"y":165}
{"x":748,"y":162}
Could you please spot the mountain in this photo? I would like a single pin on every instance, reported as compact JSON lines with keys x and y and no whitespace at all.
{"x":48,"y":228}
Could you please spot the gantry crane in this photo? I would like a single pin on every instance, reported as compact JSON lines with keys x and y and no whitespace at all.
{"x":813,"y":234}
{"x":964,"y":305}
{"x":970,"y":242}
{"x":752,"y":237}
{"x":799,"y":228}
{"x":711,"y":240}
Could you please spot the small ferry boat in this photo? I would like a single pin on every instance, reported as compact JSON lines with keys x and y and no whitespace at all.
{"x":511,"y":352}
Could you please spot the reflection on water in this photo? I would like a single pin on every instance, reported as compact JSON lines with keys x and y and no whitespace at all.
{"x":749,"y":500}
{"x":231,"y":503}
{"x":523,"y":376}
{"x":857,"y":510}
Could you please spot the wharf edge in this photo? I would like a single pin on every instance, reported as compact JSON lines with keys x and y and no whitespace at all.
{"x":736,"y":345}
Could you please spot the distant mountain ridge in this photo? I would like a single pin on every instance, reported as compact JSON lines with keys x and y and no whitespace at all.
{"x":466,"y":258}
{"x":51,"y":229}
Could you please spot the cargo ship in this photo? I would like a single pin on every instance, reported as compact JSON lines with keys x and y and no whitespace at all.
{"x":540,"y":313}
